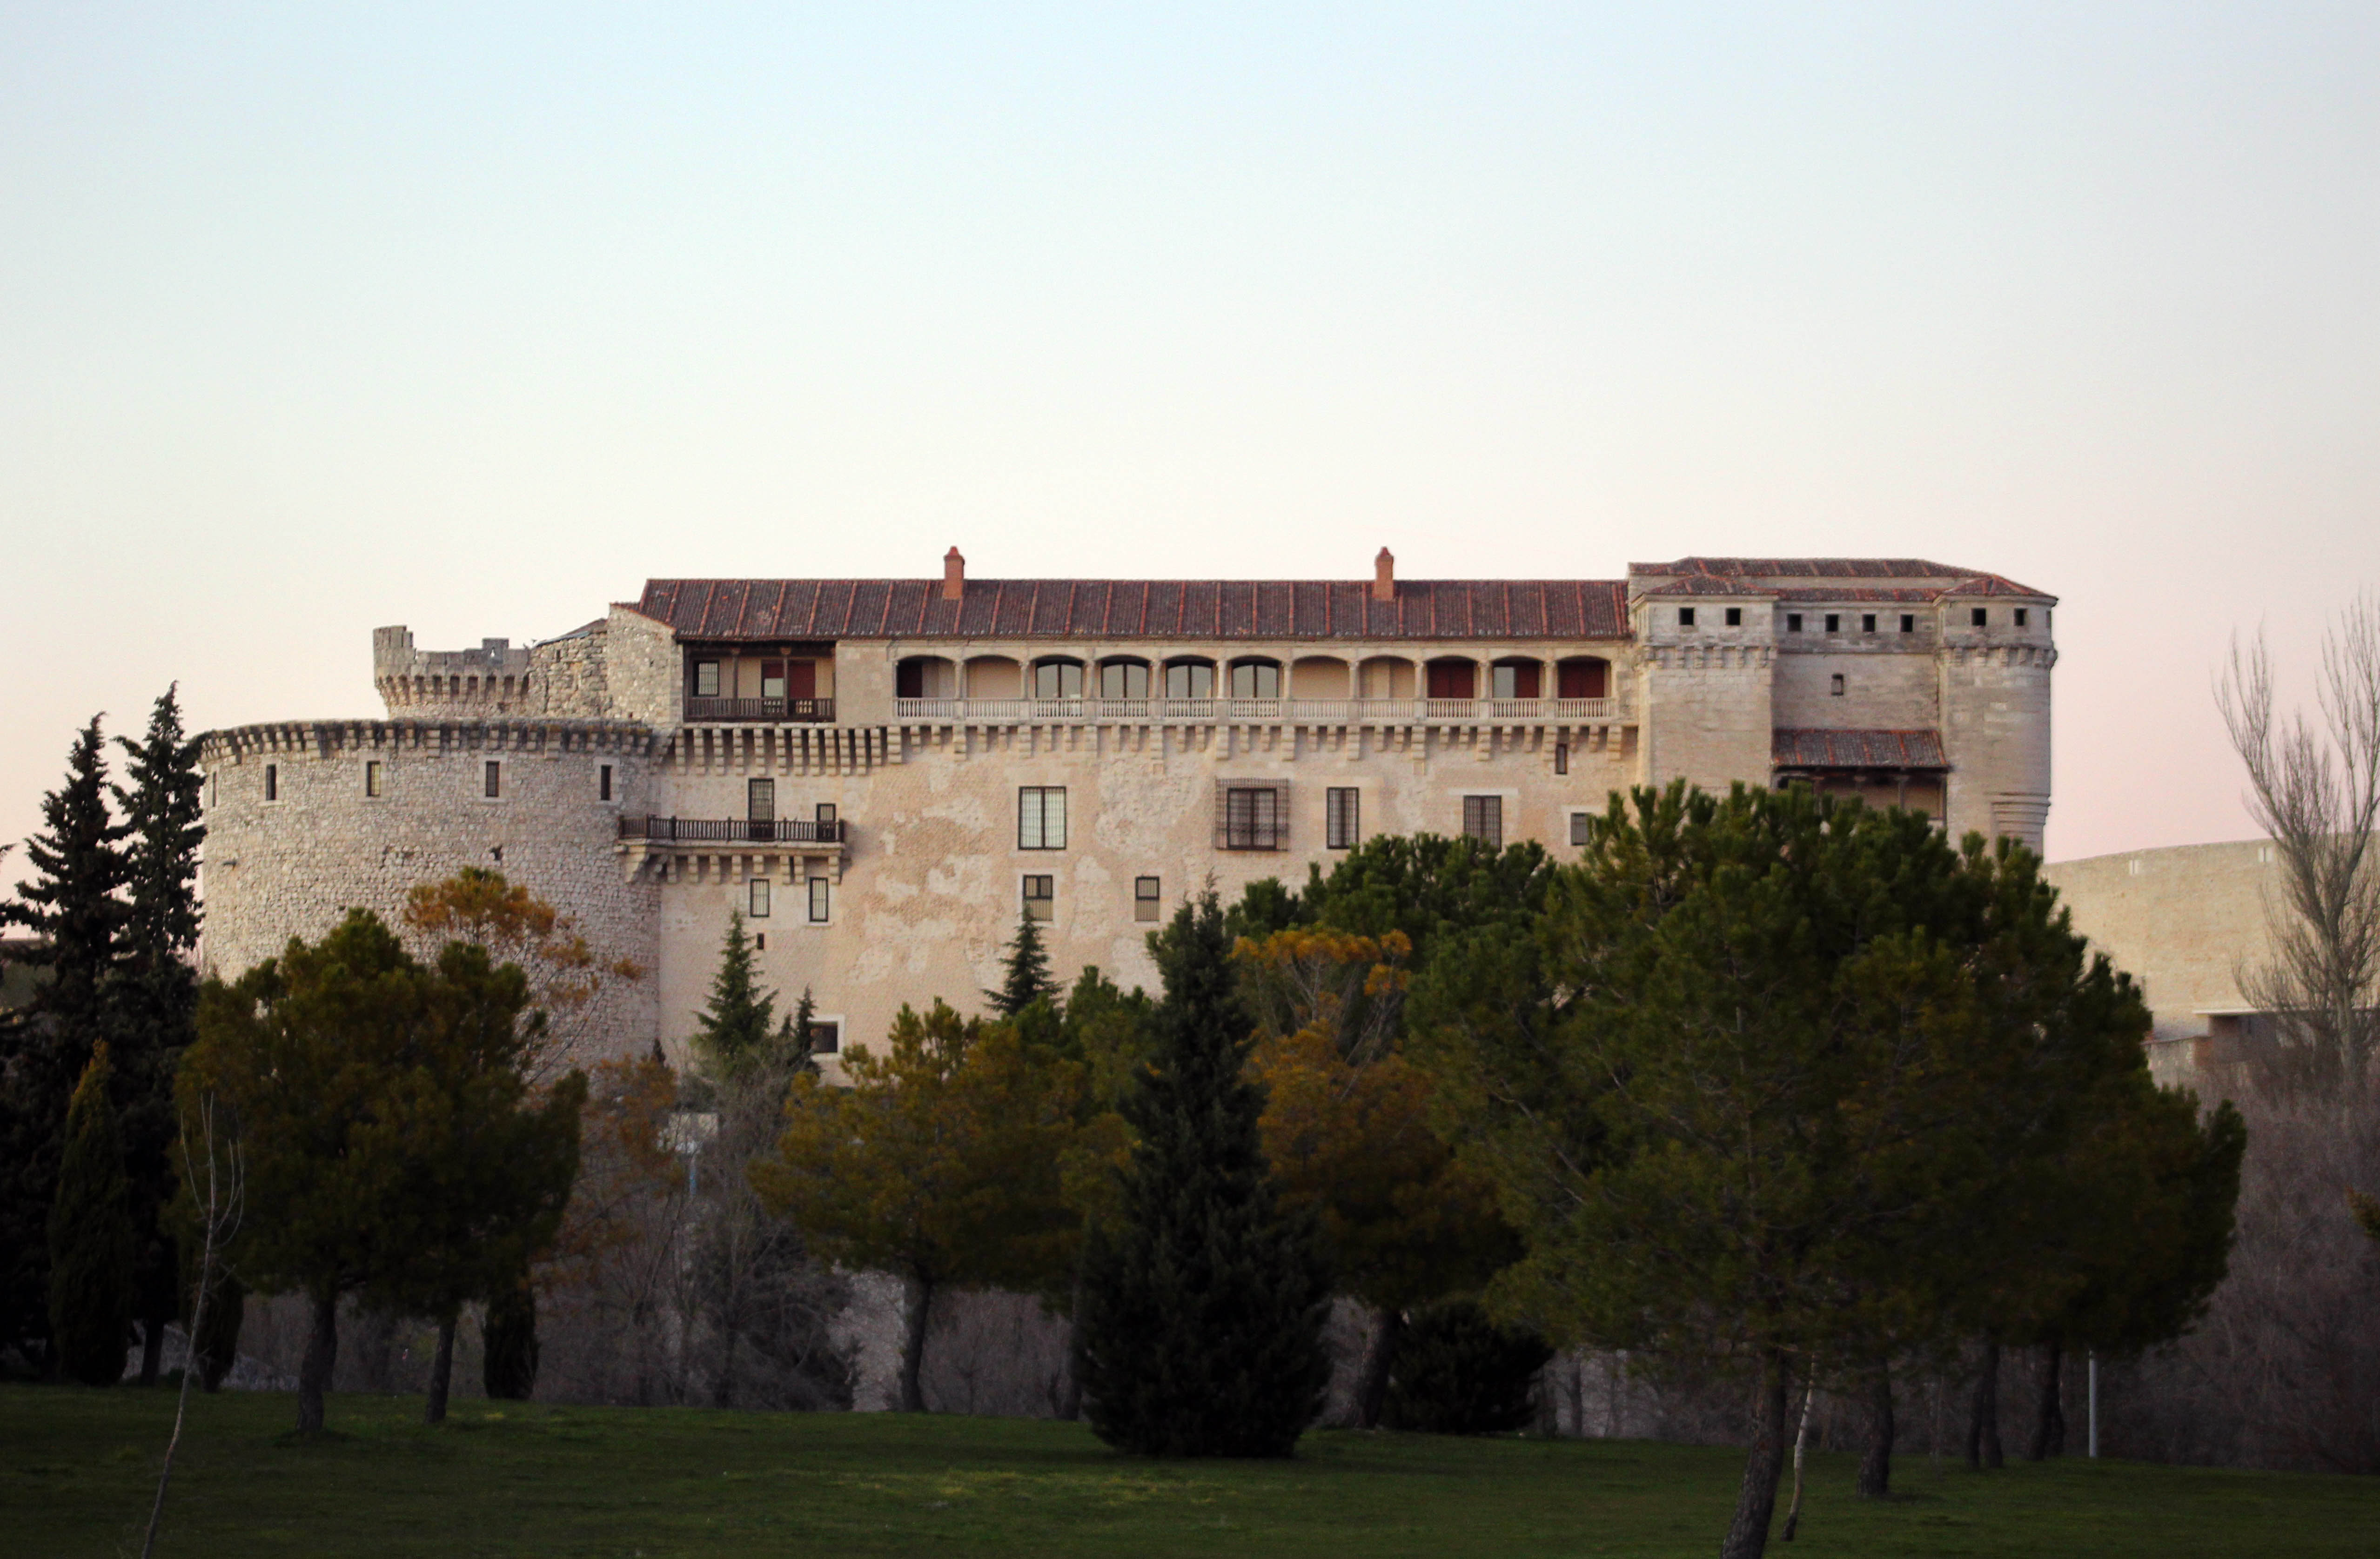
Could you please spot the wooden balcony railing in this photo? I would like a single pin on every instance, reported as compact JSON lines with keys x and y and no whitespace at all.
{"x":1201,"y":711}
{"x":805,"y":710}
{"x":732,"y":831}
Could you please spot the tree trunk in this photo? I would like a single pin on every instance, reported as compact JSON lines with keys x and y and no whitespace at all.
{"x":1755,"y":1500}
{"x":2049,"y":1422}
{"x":1983,"y":1421}
{"x":722,"y":1385}
{"x":441,"y":1371}
{"x":913,"y":1344}
{"x":1372,"y":1390}
{"x":1875,"y":1463}
{"x":322,"y":1357}
{"x":153,"y":1347}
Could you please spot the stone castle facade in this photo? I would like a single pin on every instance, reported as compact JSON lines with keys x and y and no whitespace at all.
{"x":881,"y":775}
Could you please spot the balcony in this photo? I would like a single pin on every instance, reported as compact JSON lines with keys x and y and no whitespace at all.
{"x":755,"y":711}
{"x":1232,"y":711}
{"x":732,"y":831}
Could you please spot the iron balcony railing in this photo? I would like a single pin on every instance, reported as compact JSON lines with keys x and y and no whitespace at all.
{"x":733,"y":830}
{"x":807,"y":710}
{"x":1329,"y":711}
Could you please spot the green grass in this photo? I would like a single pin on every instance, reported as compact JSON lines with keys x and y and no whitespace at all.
{"x":77,"y":1468}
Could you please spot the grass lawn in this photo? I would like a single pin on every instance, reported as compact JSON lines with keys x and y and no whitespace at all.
{"x":77,"y":1468}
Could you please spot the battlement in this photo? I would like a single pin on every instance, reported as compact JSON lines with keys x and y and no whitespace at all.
{"x":560,"y":676}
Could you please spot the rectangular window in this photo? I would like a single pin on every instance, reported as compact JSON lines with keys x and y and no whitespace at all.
{"x":1867,"y":623}
{"x":1123,"y":679}
{"x":372,"y":777}
{"x":1735,"y":617}
{"x":1041,"y":894}
{"x":1561,"y":757}
{"x":1582,"y":827}
{"x":706,"y":678}
{"x":603,"y":784}
{"x":1792,"y":622}
{"x":1252,"y":819}
{"x":822,"y":900}
{"x":760,"y":801}
{"x":1145,"y":898}
{"x":1975,"y":617}
{"x":1834,"y":622}
{"x":1685,"y":617}
{"x":1255,"y":678}
{"x":1343,"y":817}
{"x":825,"y":1038}
{"x":773,"y":679}
{"x":1835,"y":684}
{"x":1058,"y":679}
{"x":1909,"y":623}
{"x":759,"y":941}
{"x":1041,"y":818}
{"x":272,"y":782}
{"x":492,"y":785}
{"x":828,"y":829}
{"x":759,"y":907}
{"x":1189,"y":679}
{"x":1483,"y":820}
{"x":2020,"y":615}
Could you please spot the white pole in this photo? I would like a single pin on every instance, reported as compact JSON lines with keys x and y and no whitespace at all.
{"x":2094,"y":1404}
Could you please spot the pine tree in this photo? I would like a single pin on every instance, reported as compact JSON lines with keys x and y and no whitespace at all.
{"x":91,"y":1242}
{"x":71,"y":906}
{"x":1200,"y":1327}
{"x":154,"y":997}
{"x":740,"y":1019}
{"x":1027,"y":980}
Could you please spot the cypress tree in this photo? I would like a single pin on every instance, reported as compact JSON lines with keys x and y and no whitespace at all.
{"x":153,"y":996}
{"x":91,"y":1242}
{"x":1201,"y":1326}
{"x":1028,"y":979}
{"x":71,"y":906}
{"x":740,"y":1019}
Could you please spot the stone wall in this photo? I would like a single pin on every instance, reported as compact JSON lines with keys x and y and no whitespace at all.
{"x":569,"y":671}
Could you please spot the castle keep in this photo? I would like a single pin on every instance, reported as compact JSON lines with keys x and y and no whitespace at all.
{"x":883,"y":773}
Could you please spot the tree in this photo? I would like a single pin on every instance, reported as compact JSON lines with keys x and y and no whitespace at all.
{"x":72,"y":908}
{"x":738,"y":1028}
{"x":90,"y":1238}
{"x":940,"y":1163}
{"x":209,"y":1209}
{"x":1027,"y":968}
{"x":154,"y":997}
{"x":2315,"y":790}
{"x":508,"y":1341}
{"x":1464,"y":1375}
{"x":1199,"y":1331}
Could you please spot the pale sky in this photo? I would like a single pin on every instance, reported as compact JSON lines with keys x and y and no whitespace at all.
{"x":319,"y":318}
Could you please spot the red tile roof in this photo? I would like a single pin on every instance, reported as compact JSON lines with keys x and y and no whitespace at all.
{"x":1855,"y":749}
{"x":1122,"y":609}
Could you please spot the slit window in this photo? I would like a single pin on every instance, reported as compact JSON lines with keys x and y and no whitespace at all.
{"x":1483,"y":820}
{"x":821,"y":903}
{"x":1145,"y":898}
{"x":1041,"y":818}
{"x":757,"y":906}
{"x":1561,"y":757}
{"x":1343,"y":817}
{"x":372,"y":777}
{"x":491,"y":785}
{"x":1252,"y":819}
{"x":272,"y":782}
{"x":1041,"y":893}
{"x":604,"y":783}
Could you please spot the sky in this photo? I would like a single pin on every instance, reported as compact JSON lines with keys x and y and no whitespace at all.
{"x":314,"y":319}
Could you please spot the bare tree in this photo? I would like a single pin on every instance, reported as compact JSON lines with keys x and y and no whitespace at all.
{"x":215,"y":1190}
{"x":2315,"y":787}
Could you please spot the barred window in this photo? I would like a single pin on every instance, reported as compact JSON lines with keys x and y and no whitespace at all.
{"x":1561,"y":757}
{"x":1252,"y":819}
{"x":1483,"y":820}
{"x":821,"y":904}
{"x":826,"y":1039}
{"x":1041,"y":818}
{"x":1582,"y":827}
{"x":372,"y":777}
{"x":1145,"y":898}
{"x":706,"y":678}
{"x":1344,"y":818}
{"x":1041,"y":895}
{"x":759,"y":906}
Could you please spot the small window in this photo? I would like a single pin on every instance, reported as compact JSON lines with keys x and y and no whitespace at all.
{"x":706,"y":678}
{"x":1123,"y":679}
{"x":1685,"y":617}
{"x":604,"y":783}
{"x":1792,"y":622}
{"x":773,"y":679}
{"x":1735,"y":617}
{"x":1041,"y":818}
{"x":1342,"y":817}
{"x":1582,"y":827}
{"x":1834,"y":622}
{"x":372,"y":777}
{"x":1561,"y":757}
{"x":1483,"y":820}
{"x":760,"y":801}
{"x":759,"y":907}
{"x":1255,"y":678}
{"x":1252,"y":819}
{"x":492,"y":785}
{"x":1041,"y":893}
{"x":1975,"y":617}
{"x":1189,"y":679}
{"x":1867,"y":623}
{"x":821,"y":903}
{"x":759,"y":941}
{"x":1058,"y":679}
{"x":1145,"y":898}
{"x":2020,"y":615}
{"x":272,"y":782}
{"x":825,"y":1038}
{"x":1909,"y":623}
{"x":1835,"y":684}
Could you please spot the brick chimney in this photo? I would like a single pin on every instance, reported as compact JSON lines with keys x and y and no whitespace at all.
{"x":954,"y":576}
{"x":1384,"y":577}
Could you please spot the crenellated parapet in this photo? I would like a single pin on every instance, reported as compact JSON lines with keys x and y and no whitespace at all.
{"x":562,"y":676}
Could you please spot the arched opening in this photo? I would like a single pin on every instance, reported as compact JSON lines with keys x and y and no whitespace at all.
{"x":994,"y":676}
{"x":1513,"y":677}
{"x":1124,"y":676}
{"x":1386,"y":676}
{"x":1451,"y":678}
{"x":1057,"y":677}
{"x":1583,"y":676}
{"x":1189,"y":676}
{"x":1319,"y":676}
{"x":1256,"y":678}
{"x":926,"y":676}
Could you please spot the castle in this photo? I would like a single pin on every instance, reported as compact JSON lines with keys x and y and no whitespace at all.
{"x":883,"y":773}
